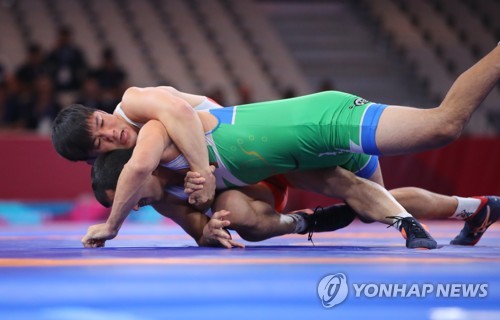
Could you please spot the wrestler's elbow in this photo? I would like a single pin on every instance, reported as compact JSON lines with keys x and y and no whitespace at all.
{"x":131,"y":91}
{"x":178,"y":112}
{"x":449,"y":132}
{"x":169,"y":89}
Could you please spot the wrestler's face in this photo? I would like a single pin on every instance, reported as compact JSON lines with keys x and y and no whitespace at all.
{"x":109,"y":132}
{"x":150,"y":192}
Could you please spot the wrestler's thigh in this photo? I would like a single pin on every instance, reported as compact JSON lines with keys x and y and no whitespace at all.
{"x":417,"y":130}
{"x":329,"y":181}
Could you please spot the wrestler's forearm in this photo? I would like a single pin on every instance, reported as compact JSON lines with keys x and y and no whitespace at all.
{"x":189,"y":219}
{"x":181,"y":122}
{"x":186,"y":131}
{"x":473,"y":85}
{"x":126,"y":196}
{"x":151,"y":143}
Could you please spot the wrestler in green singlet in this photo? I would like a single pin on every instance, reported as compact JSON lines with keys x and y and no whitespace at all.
{"x":326,"y":129}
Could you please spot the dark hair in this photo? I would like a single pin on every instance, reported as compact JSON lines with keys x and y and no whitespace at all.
{"x":71,"y":133}
{"x":106,"y":171}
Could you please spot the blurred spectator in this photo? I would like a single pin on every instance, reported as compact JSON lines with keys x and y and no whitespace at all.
{"x":28,"y":107}
{"x":33,"y":66}
{"x":45,"y":107}
{"x":326,"y":85}
{"x":3,"y":92}
{"x":3,"y":74}
{"x":111,"y":79}
{"x":244,"y":93}
{"x":3,"y":100}
{"x":289,"y":93}
{"x":19,"y":100}
{"x":67,"y":63}
{"x":218,"y":95}
{"x":90,"y":94}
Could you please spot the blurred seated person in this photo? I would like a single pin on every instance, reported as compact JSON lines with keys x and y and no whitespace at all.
{"x":67,"y":62}
{"x":18,"y":100}
{"x":90,"y":94}
{"x":33,"y":66}
{"x":111,"y":79}
{"x":45,"y":107}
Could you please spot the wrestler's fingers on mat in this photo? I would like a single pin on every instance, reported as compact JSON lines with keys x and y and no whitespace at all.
{"x":229,"y":244}
{"x":221,"y":234}
{"x":85,"y":240}
{"x":87,"y":244}
{"x":93,"y":243}
{"x":99,"y":243}
{"x":236,"y":244}
{"x":226,"y":243}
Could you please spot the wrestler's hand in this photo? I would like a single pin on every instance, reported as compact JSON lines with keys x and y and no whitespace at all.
{"x":200,"y":188}
{"x":97,"y":235}
{"x":215,"y":234}
{"x":193,"y":181}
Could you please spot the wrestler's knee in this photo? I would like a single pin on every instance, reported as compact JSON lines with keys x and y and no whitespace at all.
{"x":448,"y":127}
{"x":241,"y":213}
{"x":450,"y":131}
{"x":229,"y":200}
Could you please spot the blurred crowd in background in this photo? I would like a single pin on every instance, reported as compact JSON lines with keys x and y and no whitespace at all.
{"x":32,"y":94}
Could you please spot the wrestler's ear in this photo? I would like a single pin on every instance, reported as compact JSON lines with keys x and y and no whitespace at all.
{"x":110,"y":197}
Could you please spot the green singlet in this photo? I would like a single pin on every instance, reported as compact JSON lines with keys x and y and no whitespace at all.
{"x":327,"y":129}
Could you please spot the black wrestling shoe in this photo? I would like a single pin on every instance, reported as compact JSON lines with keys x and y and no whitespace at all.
{"x":415,"y":234}
{"x":477,"y":224}
{"x":328,"y":219}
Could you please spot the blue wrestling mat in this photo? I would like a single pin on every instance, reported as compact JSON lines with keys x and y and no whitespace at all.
{"x":157,"y":272}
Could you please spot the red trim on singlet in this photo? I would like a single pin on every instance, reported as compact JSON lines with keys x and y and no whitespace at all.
{"x":214,"y":101}
{"x":279,"y":187}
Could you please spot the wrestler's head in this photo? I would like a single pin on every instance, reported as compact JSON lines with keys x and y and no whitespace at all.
{"x":106,"y":171}
{"x":83,"y":133}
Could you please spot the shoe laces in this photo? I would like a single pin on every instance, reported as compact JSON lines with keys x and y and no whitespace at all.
{"x":313,"y":223}
{"x":413,"y":226}
{"x":397,"y":219}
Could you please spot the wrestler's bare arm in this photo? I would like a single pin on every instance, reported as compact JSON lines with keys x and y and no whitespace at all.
{"x":183,"y":126}
{"x":205,"y":231}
